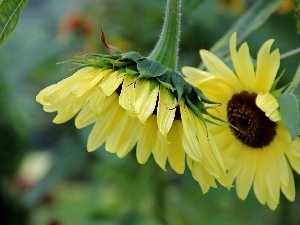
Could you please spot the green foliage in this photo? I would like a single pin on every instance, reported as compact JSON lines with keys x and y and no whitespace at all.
{"x":10,"y":11}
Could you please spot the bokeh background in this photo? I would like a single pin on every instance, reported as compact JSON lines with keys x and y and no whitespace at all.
{"x":46,"y":175}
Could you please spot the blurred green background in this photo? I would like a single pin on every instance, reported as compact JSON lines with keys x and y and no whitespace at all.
{"x":46,"y":175}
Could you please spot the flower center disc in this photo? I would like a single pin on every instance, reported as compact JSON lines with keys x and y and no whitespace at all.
{"x":252,"y":126}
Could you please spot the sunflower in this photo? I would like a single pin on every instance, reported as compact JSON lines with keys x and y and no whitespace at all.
{"x":257,"y":141}
{"x":126,"y":112}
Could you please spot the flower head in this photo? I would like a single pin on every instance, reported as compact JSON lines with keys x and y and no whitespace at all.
{"x":257,"y":139}
{"x":133,"y":101}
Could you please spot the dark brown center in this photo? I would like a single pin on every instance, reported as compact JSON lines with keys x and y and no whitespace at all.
{"x":252,"y":126}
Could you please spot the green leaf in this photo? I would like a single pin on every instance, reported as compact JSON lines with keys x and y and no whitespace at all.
{"x":246,"y":24}
{"x":195,"y":109}
{"x":10,"y":11}
{"x":289,"y":109}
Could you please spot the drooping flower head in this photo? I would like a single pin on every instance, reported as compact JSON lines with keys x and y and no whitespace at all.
{"x":134,"y":101}
{"x":257,"y":139}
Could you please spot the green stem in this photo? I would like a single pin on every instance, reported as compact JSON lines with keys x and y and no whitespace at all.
{"x":166,"y":49}
{"x":290,"y":53}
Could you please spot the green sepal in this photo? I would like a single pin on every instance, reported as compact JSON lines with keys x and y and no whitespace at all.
{"x":277,"y":91}
{"x":276,"y":81}
{"x":166,"y":80}
{"x":195,"y":109}
{"x":198,"y":107}
{"x":204,"y":111}
{"x":180,"y":85}
{"x":134,"y":56}
{"x":130,"y":71}
{"x":153,"y":85}
{"x":203,"y":98}
{"x":150,"y":68}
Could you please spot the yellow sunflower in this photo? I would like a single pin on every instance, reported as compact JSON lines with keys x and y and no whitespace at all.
{"x":127,"y":112}
{"x":258,"y":141}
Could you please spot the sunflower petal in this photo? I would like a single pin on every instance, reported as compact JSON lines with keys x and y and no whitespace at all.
{"x":242,"y":64}
{"x":147,"y":138}
{"x":176,"y":154}
{"x":165,"y":111}
{"x":267,"y":67}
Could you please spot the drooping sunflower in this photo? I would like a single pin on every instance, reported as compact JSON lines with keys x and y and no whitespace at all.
{"x":257,"y":141}
{"x":127,"y":110}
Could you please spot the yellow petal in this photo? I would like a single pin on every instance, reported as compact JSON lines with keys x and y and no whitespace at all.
{"x":142,"y":93}
{"x":289,"y":189}
{"x":218,"y":68}
{"x":204,"y":179}
{"x":242,"y":64}
{"x":123,"y":137}
{"x":267,"y":67}
{"x":97,"y":100}
{"x":104,"y":127}
{"x":190,"y":142}
{"x":176,"y":154}
{"x":43,"y":94}
{"x":147,"y":139}
{"x":295,"y":149}
{"x":127,"y":96}
{"x":160,"y":153}
{"x":212,"y":160}
{"x":272,"y":204}
{"x":165,"y":111}
{"x":58,"y":91}
{"x":195,"y":76}
{"x":88,"y":83}
{"x":245,"y":177}
{"x":282,"y":165}
{"x":85,"y":117}
{"x":268,"y":104}
{"x":112,"y":82}
{"x":148,"y":104}
{"x":259,"y":185}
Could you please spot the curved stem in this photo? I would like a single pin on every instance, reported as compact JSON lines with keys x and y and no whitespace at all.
{"x":166,"y":49}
